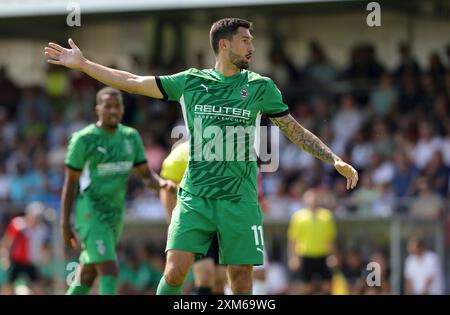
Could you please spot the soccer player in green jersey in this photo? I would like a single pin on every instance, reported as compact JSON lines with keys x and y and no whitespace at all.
{"x":218,"y":193}
{"x":100,"y":158}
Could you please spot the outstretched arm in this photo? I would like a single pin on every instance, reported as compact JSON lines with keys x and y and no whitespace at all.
{"x":307,"y":141}
{"x":73,"y":58}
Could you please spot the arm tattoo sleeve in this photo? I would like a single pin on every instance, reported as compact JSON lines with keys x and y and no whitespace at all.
{"x":304,"y":138}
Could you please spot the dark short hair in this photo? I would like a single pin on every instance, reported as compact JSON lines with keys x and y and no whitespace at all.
{"x":225,"y":29}
{"x":108,"y":91}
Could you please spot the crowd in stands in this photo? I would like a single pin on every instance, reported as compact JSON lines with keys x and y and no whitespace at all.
{"x":393,"y":125}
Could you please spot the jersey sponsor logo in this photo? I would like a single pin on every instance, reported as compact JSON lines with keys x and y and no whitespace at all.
{"x":222,"y":111}
{"x":102,"y":150}
{"x":205,"y":87}
{"x":112,"y":168}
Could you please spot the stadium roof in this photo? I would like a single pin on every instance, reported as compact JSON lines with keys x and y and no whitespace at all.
{"x":21,"y":8}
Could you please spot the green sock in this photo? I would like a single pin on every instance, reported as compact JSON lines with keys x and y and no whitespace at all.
{"x":78,"y":289}
{"x":108,"y":285}
{"x":166,"y":289}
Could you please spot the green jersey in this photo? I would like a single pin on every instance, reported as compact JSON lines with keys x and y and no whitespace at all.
{"x":105,"y":160}
{"x":222,"y":115}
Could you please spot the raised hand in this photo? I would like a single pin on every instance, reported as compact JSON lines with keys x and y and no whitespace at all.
{"x":71,"y":58}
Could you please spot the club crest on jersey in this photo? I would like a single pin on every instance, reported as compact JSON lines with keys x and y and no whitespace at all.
{"x":244,"y":92}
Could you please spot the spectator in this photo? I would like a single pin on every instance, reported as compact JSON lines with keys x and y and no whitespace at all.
{"x":354,"y":270}
{"x":365,"y":195}
{"x":439,"y":172}
{"x":382,"y":169}
{"x":318,"y":68}
{"x":20,"y":186}
{"x":383,"y":97}
{"x":410,"y":94}
{"x":350,"y":117}
{"x":360,"y":149}
{"x":8,"y":127}
{"x":436,"y":69}
{"x":384,"y":287}
{"x":405,"y":173}
{"x":423,"y":272}
{"x":428,"y":143}
{"x":364,"y":65}
{"x":407,"y":62}
{"x":429,"y":93}
{"x":283,"y":70}
{"x":383,"y":143}
{"x":428,"y":204}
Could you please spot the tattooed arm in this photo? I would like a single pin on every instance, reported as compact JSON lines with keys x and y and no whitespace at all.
{"x":307,"y":141}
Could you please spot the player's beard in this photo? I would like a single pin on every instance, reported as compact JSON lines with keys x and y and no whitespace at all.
{"x":238,"y":61}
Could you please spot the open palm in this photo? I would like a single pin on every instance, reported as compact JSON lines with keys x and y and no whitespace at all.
{"x":58,"y":55}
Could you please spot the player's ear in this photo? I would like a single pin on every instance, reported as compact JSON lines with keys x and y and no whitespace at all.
{"x":224,"y":44}
{"x":97,"y":108}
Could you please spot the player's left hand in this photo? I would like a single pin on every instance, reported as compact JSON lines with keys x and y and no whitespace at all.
{"x":348,"y":172}
{"x":168,"y":185}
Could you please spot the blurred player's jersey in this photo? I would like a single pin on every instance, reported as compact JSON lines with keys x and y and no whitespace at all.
{"x":175,"y":164}
{"x":222,"y":160}
{"x":312,"y":232}
{"x":106,"y":160}
{"x":26,"y":242}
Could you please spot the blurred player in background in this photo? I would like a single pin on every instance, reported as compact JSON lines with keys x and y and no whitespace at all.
{"x":216,"y":195}
{"x":21,"y":247}
{"x":99,"y":160}
{"x":209,"y":276}
{"x":311,"y":239}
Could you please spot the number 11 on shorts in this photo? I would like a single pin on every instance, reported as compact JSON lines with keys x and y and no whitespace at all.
{"x":259,"y":239}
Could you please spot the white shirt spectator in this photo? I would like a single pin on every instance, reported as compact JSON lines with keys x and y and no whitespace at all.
{"x":419,"y":268}
{"x":361,"y":154}
{"x":293,"y":158}
{"x":345,"y":124}
{"x":384,"y":173}
{"x":424,"y":151}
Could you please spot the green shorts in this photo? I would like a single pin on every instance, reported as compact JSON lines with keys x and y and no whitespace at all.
{"x":195,"y":221}
{"x":98,"y":236}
